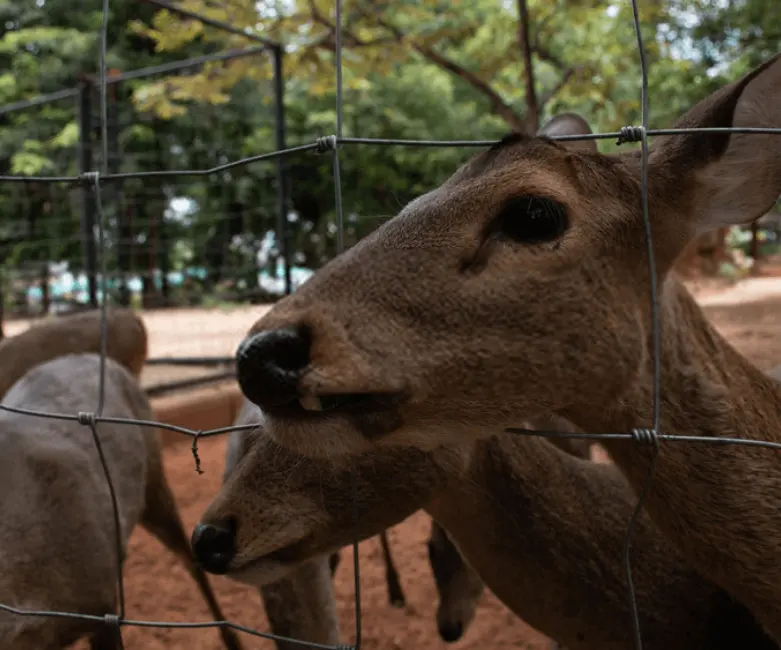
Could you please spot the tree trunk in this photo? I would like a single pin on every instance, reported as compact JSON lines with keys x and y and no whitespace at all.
{"x":754,"y":248}
{"x":532,"y":106}
{"x":44,"y":285}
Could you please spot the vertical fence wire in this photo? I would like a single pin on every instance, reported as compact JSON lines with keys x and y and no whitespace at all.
{"x":655,"y":328}
{"x":650,"y":437}
{"x":339,"y":250}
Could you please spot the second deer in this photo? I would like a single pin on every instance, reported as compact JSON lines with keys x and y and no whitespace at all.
{"x":543,"y":529}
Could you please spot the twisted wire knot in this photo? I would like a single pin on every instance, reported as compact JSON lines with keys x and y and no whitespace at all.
{"x":646,"y":436}
{"x":111,"y":619}
{"x":630,"y":134}
{"x":325,"y":143}
{"x":90,"y":177}
{"x":87,"y":419}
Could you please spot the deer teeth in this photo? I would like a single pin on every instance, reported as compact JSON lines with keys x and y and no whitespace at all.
{"x":310,"y":403}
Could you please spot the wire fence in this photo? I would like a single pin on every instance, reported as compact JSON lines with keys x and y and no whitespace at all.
{"x":93,"y":181}
{"x":174,"y":241}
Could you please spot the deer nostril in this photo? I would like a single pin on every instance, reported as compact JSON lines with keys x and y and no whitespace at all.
{"x":269,"y":365}
{"x":451,"y":632}
{"x":214,"y":546}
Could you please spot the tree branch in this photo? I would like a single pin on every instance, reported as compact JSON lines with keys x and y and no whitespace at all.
{"x":525,"y":124}
{"x":546,"y":55}
{"x":544,"y":99}
{"x":498,"y":105}
{"x":329,"y":41}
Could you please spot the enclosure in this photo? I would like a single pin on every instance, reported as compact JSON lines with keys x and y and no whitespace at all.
{"x":192,"y":161}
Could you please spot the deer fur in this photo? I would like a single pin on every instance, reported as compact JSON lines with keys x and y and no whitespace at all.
{"x":300,"y":605}
{"x":502,"y":330}
{"x":236,"y":449}
{"x":57,"y":526}
{"x":543,"y":529}
{"x":126,"y":342}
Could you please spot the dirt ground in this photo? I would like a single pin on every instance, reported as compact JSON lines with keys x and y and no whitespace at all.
{"x":185,"y":333}
{"x":157,"y":587}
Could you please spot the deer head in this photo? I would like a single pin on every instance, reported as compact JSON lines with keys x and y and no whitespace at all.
{"x":518,"y":287}
{"x":277,"y":509}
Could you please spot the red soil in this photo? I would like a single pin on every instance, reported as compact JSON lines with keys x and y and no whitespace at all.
{"x":158,"y":588}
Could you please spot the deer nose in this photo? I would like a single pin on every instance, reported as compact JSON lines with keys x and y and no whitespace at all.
{"x":269,"y":365}
{"x":451,"y":632}
{"x":214,"y":546}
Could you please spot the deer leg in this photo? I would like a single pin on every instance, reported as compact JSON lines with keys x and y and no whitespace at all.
{"x":301,"y":606}
{"x":395,"y":593}
{"x":107,"y":637}
{"x":333,"y":561}
{"x":102,"y":636}
{"x":161,"y":519}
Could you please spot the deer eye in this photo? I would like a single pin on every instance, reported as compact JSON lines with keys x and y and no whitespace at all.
{"x":532,"y":220}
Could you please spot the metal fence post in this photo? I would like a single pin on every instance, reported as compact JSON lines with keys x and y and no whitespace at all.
{"x":88,"y":206}
{"x":283,"y":228}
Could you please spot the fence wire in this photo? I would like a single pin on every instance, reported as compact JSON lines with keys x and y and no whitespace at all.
{"x":650,"y":437}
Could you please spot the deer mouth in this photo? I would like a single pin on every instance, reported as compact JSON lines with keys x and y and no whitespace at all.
{"x":313,"y":406}
{"x":272,"y":566}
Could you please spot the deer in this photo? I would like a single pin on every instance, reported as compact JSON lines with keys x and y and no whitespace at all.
{"x":543,"y":529}
{"x":396,"y":596}
{"x":302,"y":605}
{"x":126,"y":342}
{"x":57,"y":528}
{"x":459,"y":587}
{"x":236,"y":448}
{"x":536,"y":300}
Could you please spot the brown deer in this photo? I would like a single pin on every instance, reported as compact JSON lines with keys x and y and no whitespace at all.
{"x":543,"y":529}
{"x":126,"y":342}
{"x":395,"y":593}
{"x":520,"y":287}
{"x":57,"y":527}
{"x":459,"y":587}
{"x":300,"y":605}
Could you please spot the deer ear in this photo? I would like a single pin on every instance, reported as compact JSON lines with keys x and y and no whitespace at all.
{"x":569,"y":124}
{"x":731,"y":178}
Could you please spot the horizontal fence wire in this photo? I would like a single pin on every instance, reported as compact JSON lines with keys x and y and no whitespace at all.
{"x":332,"y":144}
{"x":328,"y":143}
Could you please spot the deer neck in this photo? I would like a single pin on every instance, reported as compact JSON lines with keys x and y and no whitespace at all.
{"x":717,"y":503}
{"x":545,"y":531}
{"x":707,"y":387}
